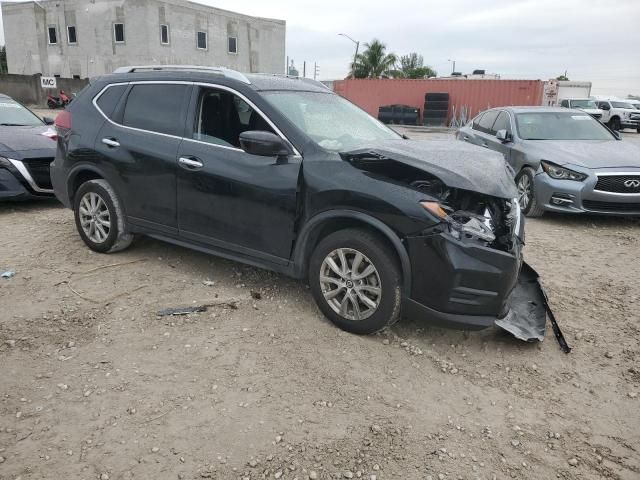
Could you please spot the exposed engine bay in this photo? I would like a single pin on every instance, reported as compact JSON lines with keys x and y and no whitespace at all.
{"x":490,"y":220}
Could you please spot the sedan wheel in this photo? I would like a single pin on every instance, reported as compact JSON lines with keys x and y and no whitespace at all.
{"x":350,"y":284}
{"x":524,"y":192}
{"x":94,"y":217}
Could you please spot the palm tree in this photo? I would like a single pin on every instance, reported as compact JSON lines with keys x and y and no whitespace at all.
{"x":374,"y":62}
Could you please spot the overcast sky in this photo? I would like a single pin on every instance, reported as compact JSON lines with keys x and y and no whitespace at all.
{"x":594,"y":40}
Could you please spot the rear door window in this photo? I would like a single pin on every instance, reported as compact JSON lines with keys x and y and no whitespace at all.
{"x":109,"y":99}
{"x":476,"y":122}
{"x":486,"y":122}
{"x":156,"y":107}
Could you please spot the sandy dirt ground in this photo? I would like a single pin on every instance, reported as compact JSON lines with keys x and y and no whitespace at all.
{"x":95,"y":385}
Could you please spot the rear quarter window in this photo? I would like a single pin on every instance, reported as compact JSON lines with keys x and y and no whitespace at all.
{"x":156,"y":108}
{"x":109,"y":99}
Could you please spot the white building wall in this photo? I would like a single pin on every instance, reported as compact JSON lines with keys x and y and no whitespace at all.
{"x":261,"y":42}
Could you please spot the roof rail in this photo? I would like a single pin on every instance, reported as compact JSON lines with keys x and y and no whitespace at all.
{"x":294,"y":77}
{"x":193,"y":68}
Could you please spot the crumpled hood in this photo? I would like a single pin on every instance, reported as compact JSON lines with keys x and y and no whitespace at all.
{"x":586,"y":153}
{"x":24,"y":142}
{"x":456,"y":164}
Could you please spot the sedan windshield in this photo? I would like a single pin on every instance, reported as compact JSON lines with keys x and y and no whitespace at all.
{"x":583,"y":104}
{"x":560,"y":126}
{"x":331,"y":121}
{"x":14,"y":114}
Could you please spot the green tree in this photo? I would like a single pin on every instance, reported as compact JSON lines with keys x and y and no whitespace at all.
{"x":412,"y":66}
{"x":562,"y":77}
{"x":3,"y":59}
{"x":374,"y":62}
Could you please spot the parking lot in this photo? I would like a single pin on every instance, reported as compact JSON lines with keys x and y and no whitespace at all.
{"x":96,"y":385}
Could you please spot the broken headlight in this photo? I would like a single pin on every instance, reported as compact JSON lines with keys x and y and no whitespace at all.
{"x":462,"y":223}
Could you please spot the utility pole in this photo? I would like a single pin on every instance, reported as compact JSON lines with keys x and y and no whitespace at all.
{"x":454,"y":65}
{"x":355,"y":57}
{"x":304,"y":69}
{"x":316,"y":69}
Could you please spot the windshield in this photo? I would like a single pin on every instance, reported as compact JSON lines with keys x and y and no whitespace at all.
{"x":622,"y":105}
{"x":14,"y":114}
{"x":583,"y":104}
{"x":560,"y":126}
{"x":331,"y":121}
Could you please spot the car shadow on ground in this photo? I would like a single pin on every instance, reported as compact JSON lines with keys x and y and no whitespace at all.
{"x":30,"y":205}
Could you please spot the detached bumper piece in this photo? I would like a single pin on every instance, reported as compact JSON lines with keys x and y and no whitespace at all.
{"x":527,"y":317}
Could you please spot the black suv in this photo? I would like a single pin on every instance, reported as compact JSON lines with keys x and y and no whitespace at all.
{"x":283,"y":174}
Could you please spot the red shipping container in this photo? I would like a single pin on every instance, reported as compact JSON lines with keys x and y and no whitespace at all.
{"x":475,"y":94}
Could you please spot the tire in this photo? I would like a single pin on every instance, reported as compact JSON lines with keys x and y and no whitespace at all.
{"x":386,"y":278}
{"x":638,"y":130}
{"x":435,"y":113}
{"x":436,"y":105}
{"x":614,"y":124}
{"x":99,"y":200}
{"x":436,"y":97}
{"x":532,"y":207}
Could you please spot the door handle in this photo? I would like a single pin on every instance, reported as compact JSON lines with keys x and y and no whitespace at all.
{"x":110,"y":142}
{"x":485,"y":145}
{"x":190,"y":163}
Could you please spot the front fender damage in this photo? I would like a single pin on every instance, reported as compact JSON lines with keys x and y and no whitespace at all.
{"x":527,"y":317}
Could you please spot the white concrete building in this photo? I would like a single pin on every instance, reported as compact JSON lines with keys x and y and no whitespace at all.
{"x":84,"y":38}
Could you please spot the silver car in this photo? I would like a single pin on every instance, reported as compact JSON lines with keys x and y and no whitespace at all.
{"x":564,"y":160}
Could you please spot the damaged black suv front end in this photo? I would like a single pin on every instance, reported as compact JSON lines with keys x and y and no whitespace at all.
{"x":467,"y":263}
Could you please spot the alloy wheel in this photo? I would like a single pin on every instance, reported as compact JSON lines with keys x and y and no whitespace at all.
{"x":524,"y":191}
{"x":94,"y":217}
{"x":350,"y":284}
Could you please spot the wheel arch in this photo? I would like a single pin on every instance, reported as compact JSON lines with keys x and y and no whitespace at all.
{"x":79,"y":175}
{"x":331,"y":221}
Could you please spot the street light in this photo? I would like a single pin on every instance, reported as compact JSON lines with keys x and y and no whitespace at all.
{"x":355,"y":57}
{"x":454,"y":65}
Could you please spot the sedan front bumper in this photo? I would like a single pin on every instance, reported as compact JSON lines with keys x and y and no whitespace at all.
{"x":591,"y":195}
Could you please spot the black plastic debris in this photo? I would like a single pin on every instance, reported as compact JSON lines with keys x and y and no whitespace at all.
{"x":233,"y":305}
{"x":182,"y":310}
{"x":527,"y":318}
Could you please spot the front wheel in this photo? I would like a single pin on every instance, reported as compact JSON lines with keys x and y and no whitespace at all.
{"x":355,"y":280}
{"x":526,"y":193}
{"x":99,"y":217}
{"x":614,"y":124}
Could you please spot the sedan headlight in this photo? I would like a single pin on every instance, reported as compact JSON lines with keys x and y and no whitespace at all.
{"x":560,"y":173}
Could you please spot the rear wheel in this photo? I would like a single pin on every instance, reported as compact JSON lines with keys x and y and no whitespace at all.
{"x":99,"y":217}
{"x":526,"y":193}
{"x":355,"y":280}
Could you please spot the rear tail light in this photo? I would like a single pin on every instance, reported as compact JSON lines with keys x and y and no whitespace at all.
{"x":63,"y":120}
{"x":62,"y":125}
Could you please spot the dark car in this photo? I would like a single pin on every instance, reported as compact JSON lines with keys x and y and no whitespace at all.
{"x":564,"y":159}
{"x":282,"y":173}
{"x":26,"y":151}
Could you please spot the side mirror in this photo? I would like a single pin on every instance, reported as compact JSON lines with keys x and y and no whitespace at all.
{"x":48,"y":120}
{"x":605,"y":107}
{"x":503,"y":136}
{"x":265,"y":144}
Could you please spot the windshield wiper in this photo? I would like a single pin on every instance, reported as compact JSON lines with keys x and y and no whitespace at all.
{"x":13,"y":125}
